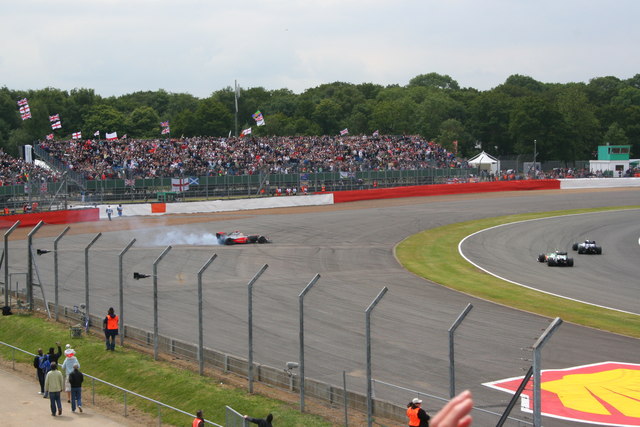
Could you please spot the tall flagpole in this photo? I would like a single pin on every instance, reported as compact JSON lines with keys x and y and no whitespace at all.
{"x":235,"y":92}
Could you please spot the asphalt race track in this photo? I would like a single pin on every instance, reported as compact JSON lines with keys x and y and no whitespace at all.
{"x":351,"y":247}
{"x":611,"y":279}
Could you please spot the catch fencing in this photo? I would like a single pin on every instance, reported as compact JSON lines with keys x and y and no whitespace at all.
{"x":70,"y":279}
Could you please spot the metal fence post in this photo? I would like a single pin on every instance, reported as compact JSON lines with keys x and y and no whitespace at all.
{"x":368,"y":344}
{"x":344,"y":393}
{"x":452,"y":365}
{"x":250,"y":323}
{"x":537,"y":361}
{"x":301,"y":337}
{"x":30,"y":264}
{"x":155,"y":302}
{"x":55,"y":271}
{"x":121,"y":290}
{"x":6,"y":261}
{"x":86,"y":278}
{"x":200,"y":322}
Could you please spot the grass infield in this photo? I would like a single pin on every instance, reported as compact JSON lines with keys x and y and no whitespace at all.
{"x":433,"y":254}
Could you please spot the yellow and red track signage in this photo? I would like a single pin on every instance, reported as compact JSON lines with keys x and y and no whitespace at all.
{"x":606,"y":393}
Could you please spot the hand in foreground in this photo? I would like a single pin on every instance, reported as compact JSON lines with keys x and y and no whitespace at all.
{"x":455,"y":413}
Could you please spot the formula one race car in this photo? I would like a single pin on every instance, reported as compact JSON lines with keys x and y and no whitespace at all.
{"x":238,"y":238}
{"x":557,"y":258}
{"x":587,"y":247}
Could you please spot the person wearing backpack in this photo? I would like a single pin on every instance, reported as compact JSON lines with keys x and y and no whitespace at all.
{"x":45,"y":367}
{"x":39,"y":372}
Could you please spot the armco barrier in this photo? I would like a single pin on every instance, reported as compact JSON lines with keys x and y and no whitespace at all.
{"x":445,"y":189}
{"x":66,"y":216}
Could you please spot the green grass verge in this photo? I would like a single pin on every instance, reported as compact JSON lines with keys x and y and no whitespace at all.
{"x":138,"y":372}
{"x":433,"y":254}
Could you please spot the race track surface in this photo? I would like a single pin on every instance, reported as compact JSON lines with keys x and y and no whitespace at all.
{"x":611,"y":279}
{"x":351,"y":247}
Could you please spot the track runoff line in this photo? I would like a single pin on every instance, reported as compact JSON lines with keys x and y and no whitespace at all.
{"x":531,"y":287}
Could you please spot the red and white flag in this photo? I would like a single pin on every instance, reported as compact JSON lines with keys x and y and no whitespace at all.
{"x":179,"y":184}
{"x":112,"y":136}
{"x":56,"y":125}
{"x":344,"y":131}
{"x":245,"y":132}
{"x":376,"y":134}
{"x":54,"y":118}
{"x":164,"y":124}
{"x":23,"y":101}
{"x":49,"y":137}
{"x":25,"y":116}
{"x":76,"y":135}
{"x":25,"y":109}
{"x":96,"y":133}
{"x":165,"y":130}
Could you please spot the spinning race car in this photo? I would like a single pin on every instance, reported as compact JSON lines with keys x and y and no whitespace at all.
{"x":587,"y":247}
{"x":238,"y":238}
{"x":556,"y":259}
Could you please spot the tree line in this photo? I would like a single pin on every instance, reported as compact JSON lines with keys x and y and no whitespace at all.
{"x":567,"y":121}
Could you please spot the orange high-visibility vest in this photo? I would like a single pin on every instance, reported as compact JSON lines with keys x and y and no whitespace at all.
{"x":112,"y":322}
{"x":197,"y":422}
{"x":412,"y":413}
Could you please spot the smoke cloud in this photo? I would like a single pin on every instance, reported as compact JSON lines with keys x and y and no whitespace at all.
{"x":180,"y":238}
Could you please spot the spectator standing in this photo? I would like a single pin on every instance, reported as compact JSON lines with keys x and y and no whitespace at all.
{"x":53,"y":385}
{"x":266,"y":422}
{"x":119,"y":209}
{"x":75,"y":379}
{"x":417,"y":416}
{"x":54,"y":356}
{"x":39,"y":372}
{"x":110,"y":325}
{"x":109,"y":212}
{"x":198,"y":421}
{"x":70,"y":361}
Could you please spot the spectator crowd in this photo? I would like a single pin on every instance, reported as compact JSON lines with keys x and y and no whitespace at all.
{"x":207,"y":156}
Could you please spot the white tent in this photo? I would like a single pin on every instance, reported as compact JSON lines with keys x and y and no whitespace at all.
{"x":484,"y":161}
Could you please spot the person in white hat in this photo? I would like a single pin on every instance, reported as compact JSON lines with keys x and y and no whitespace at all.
{"x":417,"y":416}
{"x":70,"y":360}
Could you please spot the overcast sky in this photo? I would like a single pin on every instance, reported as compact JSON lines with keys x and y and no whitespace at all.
{"x":198,"y":46}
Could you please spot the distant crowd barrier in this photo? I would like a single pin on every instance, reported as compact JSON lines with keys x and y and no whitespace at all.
{"x":66,"y":216}
{"x":576,"y":183}
{"x":445,"y":189}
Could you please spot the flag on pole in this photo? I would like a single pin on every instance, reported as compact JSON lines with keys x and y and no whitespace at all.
{"x":257,"y":116}
{"x":54,"y":118}
{"x":164,"y":124}
{"x":25,"y":116}
{"x":245,"y":132}
{"x":56,"y":125}
{"x":165,"y":130}
{"x":344,"y":132}
{"x":76,"y":135}
{"x":49,"y":137}
{"x":96,"y":133}
{"x":25,"y":109}
{"x":112,"y":136}
{"x":23,"y":101}
{"x":124,"y":136}
{"x":179,"y":184}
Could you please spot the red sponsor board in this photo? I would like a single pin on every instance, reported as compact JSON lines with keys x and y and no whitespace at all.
{"x":52,"y":217}
{"x":606,"y":393}
{"x":445,"y":189}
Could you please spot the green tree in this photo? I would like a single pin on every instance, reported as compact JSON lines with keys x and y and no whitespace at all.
{"x":104,"y":118}
{"x":143,"y":122}
{"x":435,"y":80}
{"x":615,"y":135}
{"x":212,"y":118}
{"x":580,"y":120}
{"x":327,"y":114}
